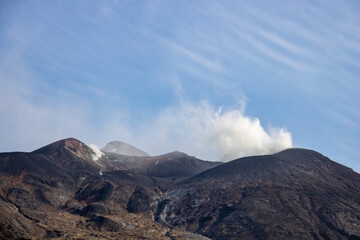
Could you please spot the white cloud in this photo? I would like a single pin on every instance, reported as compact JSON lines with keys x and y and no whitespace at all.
{"x":211,"y":133}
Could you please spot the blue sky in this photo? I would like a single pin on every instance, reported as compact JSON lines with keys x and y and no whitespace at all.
{"x":210,"y":78}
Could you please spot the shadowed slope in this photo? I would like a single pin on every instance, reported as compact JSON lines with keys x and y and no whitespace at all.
{"x":59,"y":191}
{"x":73,"y":156}
{"x":295,"y":194}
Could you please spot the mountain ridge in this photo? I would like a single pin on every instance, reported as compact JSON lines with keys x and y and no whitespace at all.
{"x":176,"y":165}
{"x":59,"y":191}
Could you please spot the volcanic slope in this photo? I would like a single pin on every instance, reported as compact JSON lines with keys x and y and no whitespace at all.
{"x":295,"y":194}
{"x":70,"y":154}
{"x":58,"y":191}
{"x":174,"y":166}
{"x":64,"y":191}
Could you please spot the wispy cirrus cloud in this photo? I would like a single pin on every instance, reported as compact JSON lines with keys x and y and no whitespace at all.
{"x":210,"y":65}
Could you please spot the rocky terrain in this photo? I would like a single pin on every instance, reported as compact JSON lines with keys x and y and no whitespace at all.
{"x":63,"y":191}
{"x":295,"y":194}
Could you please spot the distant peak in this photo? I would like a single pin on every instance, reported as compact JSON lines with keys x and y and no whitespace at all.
{"x":123,"y":149}
{"x":72,"y":145}
{"x":116,"y":142}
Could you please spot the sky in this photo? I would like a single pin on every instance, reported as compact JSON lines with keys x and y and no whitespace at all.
{"x":215,"y":79}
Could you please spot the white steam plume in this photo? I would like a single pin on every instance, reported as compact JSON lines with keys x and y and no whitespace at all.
{"x":213,"y":134}
{"x":97,"y":154}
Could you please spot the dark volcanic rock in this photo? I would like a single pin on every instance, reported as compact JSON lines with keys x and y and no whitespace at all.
{"x":100,"y":223}
{"x":93,"y":210}
{"x":59,"y":192}
{"x":126,"y":177}
{"x":95,"y":192}
{"x":295,"y":194}
{"x":53,"y":234}
{"x":73,"y":156}
{"x":139,"y":201}
{"x":31,"y":166}
{"x":14,"y":225}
